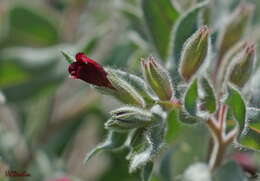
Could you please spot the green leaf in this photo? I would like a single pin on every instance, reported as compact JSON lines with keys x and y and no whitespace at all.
{"x":160,"y":17}
{"x":190,"y":98}
{"x":134,"y":17}
{"x":237,"y":106}
{"x":119,"y":55}
{"x":251,"y":137}
{"x":147,"y":171}
{"x":31,"y":27}
{"x":208,"y":97}
{"x":184,"y":28}
{"x":113,"y":141}
{"x":231,"y":122}
{"x":137,"y":142}
{"x":139,"y":159}
{"x":154,"y":141}
{"x":29,"y":70}
{"x":230,"y":171}
{"x":33,"y":87}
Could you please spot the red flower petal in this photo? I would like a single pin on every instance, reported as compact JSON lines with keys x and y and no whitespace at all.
{"x":89,"y":71}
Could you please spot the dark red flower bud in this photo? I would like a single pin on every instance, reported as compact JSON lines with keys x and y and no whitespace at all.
{"x":89,"y":71}
{"x":246,"y":162}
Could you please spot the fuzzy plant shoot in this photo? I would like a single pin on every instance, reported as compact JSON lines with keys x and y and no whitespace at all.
{"x":204,"y":85}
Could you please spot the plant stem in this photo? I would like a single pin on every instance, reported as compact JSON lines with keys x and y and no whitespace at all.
{"x":220,"y":139}
{"x":218,"y":146}
{"x":217,"y":153}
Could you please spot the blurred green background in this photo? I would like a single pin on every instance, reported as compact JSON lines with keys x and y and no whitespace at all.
{"x":48,"y":122}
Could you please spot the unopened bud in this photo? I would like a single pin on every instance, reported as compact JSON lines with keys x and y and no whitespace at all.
{"x":158,"y":78}
{"x":138,"y":84}
{"x":126,"y":118}
{"x":242,"y":66}
{"x":125,"y":91}
{"x":194,"y":53}
{"x":227,"y":61}
{"x":235,"y":27}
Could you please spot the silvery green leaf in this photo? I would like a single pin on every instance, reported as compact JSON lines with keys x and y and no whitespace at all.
{"x":154,"y":136}
{"x":136,"y":142}
{"x":113,"y":141}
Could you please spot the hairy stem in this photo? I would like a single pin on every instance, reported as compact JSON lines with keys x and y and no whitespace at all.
{"x":220,"y":140}
{"x":217,"y":153}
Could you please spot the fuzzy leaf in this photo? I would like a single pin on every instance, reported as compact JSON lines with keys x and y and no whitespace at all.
{"x":113,"y":141}
{"x":251,"y":137}
{"x":184,"y":28}
{"x":136,"y":142}
{"x":230,"y":171}
{"x":160,"y":16}
{"x":237,"y":105}
{"x":208,"y":97}
{"x":190,"y":98}
{"x":140,"y":159}
{"x":154,"y":138}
